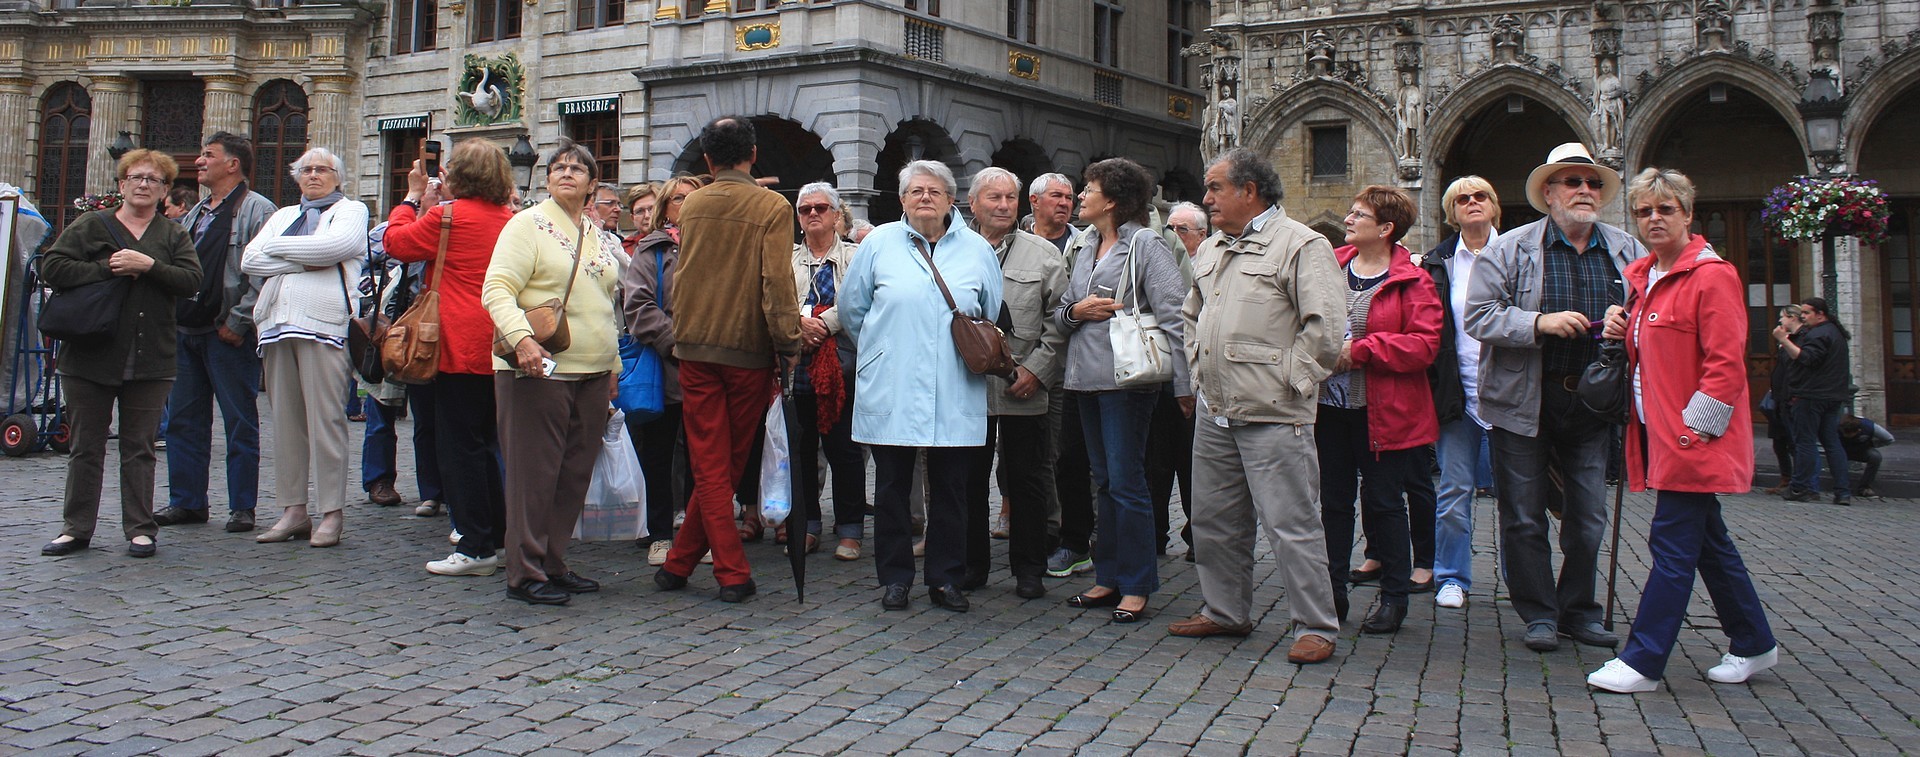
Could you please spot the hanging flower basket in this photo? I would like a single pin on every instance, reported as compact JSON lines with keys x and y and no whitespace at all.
{"x":104,"y":201}
{"x":1809,"y":209}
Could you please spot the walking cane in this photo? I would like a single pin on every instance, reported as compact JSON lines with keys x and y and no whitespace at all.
{"x":1613,"y":553}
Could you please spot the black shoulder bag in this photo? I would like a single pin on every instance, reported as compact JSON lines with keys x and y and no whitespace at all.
{"x":88,"y":312}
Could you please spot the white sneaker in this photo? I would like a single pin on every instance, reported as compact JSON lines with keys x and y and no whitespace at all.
{"x":453,"y":537}
{"x":1620,"y":678}
{"x":458,"y":564}
{"x":1450,"y":595}
{"x":707,"y":559}
{"x":427,"y":509}
{"x":1737,"y":669}
{"x":657,"y":552}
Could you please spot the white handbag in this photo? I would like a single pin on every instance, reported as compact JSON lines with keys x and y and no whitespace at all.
{"x":1142,"y":353}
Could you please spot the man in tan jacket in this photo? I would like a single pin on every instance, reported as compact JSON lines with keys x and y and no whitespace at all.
{"x":735,"y":322}
{"x":1265,"y":320}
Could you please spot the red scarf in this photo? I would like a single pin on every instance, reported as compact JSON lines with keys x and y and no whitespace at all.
{"x":829,"y":388}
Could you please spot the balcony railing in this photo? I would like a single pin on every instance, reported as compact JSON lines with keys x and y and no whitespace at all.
{"x":926,"y":40}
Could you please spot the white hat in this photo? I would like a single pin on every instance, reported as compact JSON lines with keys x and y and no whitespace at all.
{"x":1563,"y":157}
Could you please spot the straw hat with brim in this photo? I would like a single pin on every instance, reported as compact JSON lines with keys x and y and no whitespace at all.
{"x":1569,"y":155}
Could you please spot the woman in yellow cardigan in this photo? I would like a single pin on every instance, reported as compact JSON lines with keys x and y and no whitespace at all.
{"x":552,"y":406}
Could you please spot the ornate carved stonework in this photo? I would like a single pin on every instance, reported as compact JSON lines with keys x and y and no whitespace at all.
{"x":1713,"y":25}
{"x":490,"y":91}
{"x":1320,"y":53}
{"x":1509,"y":39}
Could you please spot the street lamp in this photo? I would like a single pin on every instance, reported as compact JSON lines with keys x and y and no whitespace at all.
{"x":122,"y":145}
{"x":522,"y":157}
{"x":1821,"y":106}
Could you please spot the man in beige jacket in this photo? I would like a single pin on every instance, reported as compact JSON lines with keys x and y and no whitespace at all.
{"x":1265,"y":322}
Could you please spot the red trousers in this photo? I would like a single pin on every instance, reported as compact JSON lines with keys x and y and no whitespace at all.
{"x":723,"y":406}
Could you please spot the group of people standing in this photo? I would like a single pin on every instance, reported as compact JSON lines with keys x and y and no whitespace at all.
{"x":1308,"y":384}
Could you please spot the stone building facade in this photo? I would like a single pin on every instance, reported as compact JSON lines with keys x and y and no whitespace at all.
{"x":1347,"y":93}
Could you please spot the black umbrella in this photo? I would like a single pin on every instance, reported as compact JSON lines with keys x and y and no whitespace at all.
{"x":796,"y":537}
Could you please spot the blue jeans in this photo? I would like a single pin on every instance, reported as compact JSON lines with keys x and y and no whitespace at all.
{"x":213,"y":371}
{"x":1114,"y":425}
{"x":1817,"y":422}
{"x":380,"y":452}
{"x":1689,"y":534}
{"x":1462,"y":449}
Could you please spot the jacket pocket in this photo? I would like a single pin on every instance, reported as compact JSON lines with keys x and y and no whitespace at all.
{"x":1253,"y":282}
{"x":1253,"y":352}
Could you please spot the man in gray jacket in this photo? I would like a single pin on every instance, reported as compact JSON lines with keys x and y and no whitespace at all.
{"x":1538,"y":295}
{"x":218,"y":361}
{"x":1265,"y":320}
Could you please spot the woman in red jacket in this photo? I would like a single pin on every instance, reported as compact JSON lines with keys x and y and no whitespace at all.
{"x":1376,"y":411}
{"x":1689,"y":435}
{"x":480,"y":182}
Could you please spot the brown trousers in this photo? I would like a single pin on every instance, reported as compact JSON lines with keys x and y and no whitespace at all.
{"x":89,"y":414}
{"x":550,"y":435}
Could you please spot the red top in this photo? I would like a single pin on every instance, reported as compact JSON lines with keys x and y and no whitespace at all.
{"x":1403,"y":336}
{"x":1688,"y":337}
{"x":466,"y":331}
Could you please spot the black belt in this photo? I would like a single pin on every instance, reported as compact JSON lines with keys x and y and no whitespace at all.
{"x":1567,"y":381}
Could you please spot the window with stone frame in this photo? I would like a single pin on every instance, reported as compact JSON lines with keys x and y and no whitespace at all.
{"x":929,"y":7}
{"x":66,"y":120}
{"x":599,"y":132}
{"x":749,"y":6}
{"x":1179,"y":35}
{"x":279,"y":138}
{"x":1106,"y":32}
{"x":1023,"y":20}
{"x":495,"y":20}
{"x":402,"y":148}
{"x":415,"y":25}
{"x":1329,"y":146}
{"x":595,"y":14}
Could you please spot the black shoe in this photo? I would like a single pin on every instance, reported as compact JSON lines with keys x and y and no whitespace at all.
{"x":1029,"y":587}
{"x":1543,"y":636}
{"x":1421,"y":587}
{"x":538,"y":593}
{"x":738,"y":593}
{"x":1842,"y":499}
{"x":174,"y":516}
{"x":240,"y":522}
{"x":1084,"y":602}
{"x":949,"y":597}
{"x":574,"y":583}
{"x":973,"y":581}
{"x":1384,"y":619}
{"x":1189,"y":554}
{"x":1358,"y":576}
{"x":136,"y":549}
{"x":668,"y":581}
{"x":1803,"y":495}
{"x":63,"y":548}
{"x":1592,"y":634}
{"x":893,"y":597}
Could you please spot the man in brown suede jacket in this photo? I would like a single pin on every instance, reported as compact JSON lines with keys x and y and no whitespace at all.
{"x":735,"y":320}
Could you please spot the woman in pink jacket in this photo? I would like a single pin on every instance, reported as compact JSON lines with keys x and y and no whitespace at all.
{"x":1689,"y":435}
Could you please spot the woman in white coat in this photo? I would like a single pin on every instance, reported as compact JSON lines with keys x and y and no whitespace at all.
{"x":911,"y":391}
{"x":308,"y":254}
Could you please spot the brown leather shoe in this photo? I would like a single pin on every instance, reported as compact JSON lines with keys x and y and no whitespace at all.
{"x":1200,"y":626}
{"x":1309,"y":649}
{"x":384,"y":495}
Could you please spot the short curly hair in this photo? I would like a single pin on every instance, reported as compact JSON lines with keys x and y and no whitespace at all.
{"x":1127,"y":185}
{"x":1390,"y":205}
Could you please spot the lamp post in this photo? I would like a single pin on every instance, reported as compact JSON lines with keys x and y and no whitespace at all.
{"x":522,"y":157}
{"x":122,"y":145}
{"x":1821,"y":107}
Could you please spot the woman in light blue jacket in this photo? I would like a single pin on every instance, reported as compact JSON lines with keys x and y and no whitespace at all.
{"x":911,"y":391}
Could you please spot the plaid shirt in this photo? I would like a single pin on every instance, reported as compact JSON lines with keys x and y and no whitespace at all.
{"x":1581,"y":281}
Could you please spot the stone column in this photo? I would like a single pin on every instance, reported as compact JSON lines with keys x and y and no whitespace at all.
{"x":111,"y":96}
{"x":328,"y":124}
{"x":226,"y":105}
{"x":15,"y":112}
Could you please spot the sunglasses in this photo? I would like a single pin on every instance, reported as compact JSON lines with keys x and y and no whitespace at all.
{"x":807,"y":210}
{"x":1574,"y":182}
{"x":1472,"y":197}
{"x":1665,"y":209}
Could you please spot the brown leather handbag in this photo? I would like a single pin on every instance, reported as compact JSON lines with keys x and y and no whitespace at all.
{"x":410,"y":348}
{"x":982,"y":345}
{"x":548,"y":320}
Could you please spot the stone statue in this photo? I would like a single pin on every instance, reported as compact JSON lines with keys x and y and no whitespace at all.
{"x":1609,"y":106}
{"x":1320,"y":54}
{"x":1509,"y":37}
{"x":1410,"y":116}
{"x":1222,"y":131}
{"x":1714,"y":24}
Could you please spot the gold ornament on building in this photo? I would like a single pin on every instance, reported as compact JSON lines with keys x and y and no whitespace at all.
{"x":1023,"y":65}
{"x":1180,"y":106}
{"x":756,"y":36}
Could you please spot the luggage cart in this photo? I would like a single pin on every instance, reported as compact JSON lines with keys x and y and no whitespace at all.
{"x":35,"y":417}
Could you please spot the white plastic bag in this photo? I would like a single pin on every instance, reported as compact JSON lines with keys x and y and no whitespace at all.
{"x":776,"y":470}
{"x":617,"y":496}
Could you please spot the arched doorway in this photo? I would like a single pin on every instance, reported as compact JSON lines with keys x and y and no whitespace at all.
{"x":914,"y":139}
{"x":1890,"y":155}
{"x":787,"y":152}
{"x":1503,"y":143}
{"x":279,"y":138}
{"x":1736,"y":147}
{"x":66,"y":120}
{"x":1027,"y":160}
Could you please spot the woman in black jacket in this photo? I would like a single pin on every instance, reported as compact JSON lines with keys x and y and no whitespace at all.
{"x":1779,"y":428}
{"x":134,"y":365}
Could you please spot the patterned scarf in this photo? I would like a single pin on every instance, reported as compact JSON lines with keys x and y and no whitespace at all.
{"x":310,"y":211}
{"x":823,"y":371}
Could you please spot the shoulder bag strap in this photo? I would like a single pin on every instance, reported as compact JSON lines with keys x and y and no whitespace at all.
{"x":108,"y":221}
{"x":660,"y":280}
{"x":440,"y":258}
{"x":918,"y":244}
{"x":1130,"y":280}
{"x":579,"y":238}
{"x":341,"y":268}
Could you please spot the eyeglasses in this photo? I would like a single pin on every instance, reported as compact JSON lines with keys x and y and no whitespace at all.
{"x":1573,"y":182}
{"x":1183,"y":229}
{"x":573,"y":168}
{"x":315,"y":170}
{"x":926,"y":192}
{"x":807,"y":210}
{"x":1360,"y":214}
{"x":1474,"y":197}
{"x":138,"y":180}
{"x":615,"y":204}
{"x":1666,"y":209}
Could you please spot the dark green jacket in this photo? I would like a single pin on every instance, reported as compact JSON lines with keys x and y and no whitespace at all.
{"x":142,"y":347}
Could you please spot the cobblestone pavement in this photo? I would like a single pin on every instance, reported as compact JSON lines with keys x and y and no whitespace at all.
{"x":220,"y":645}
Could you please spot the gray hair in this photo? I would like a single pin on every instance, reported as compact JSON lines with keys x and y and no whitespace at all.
{"x":987,"y":176}
{"x":605,"y":187}
{"x":821,"y":188}
{"x":1245,"y":167}
{"x":1661,"y":182}
{"x":316,"y":155}
{"x":1041,"y":182}
{"x":1188,"y":207}
{"x":858,"y":224}
{"x":933,"y":168}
